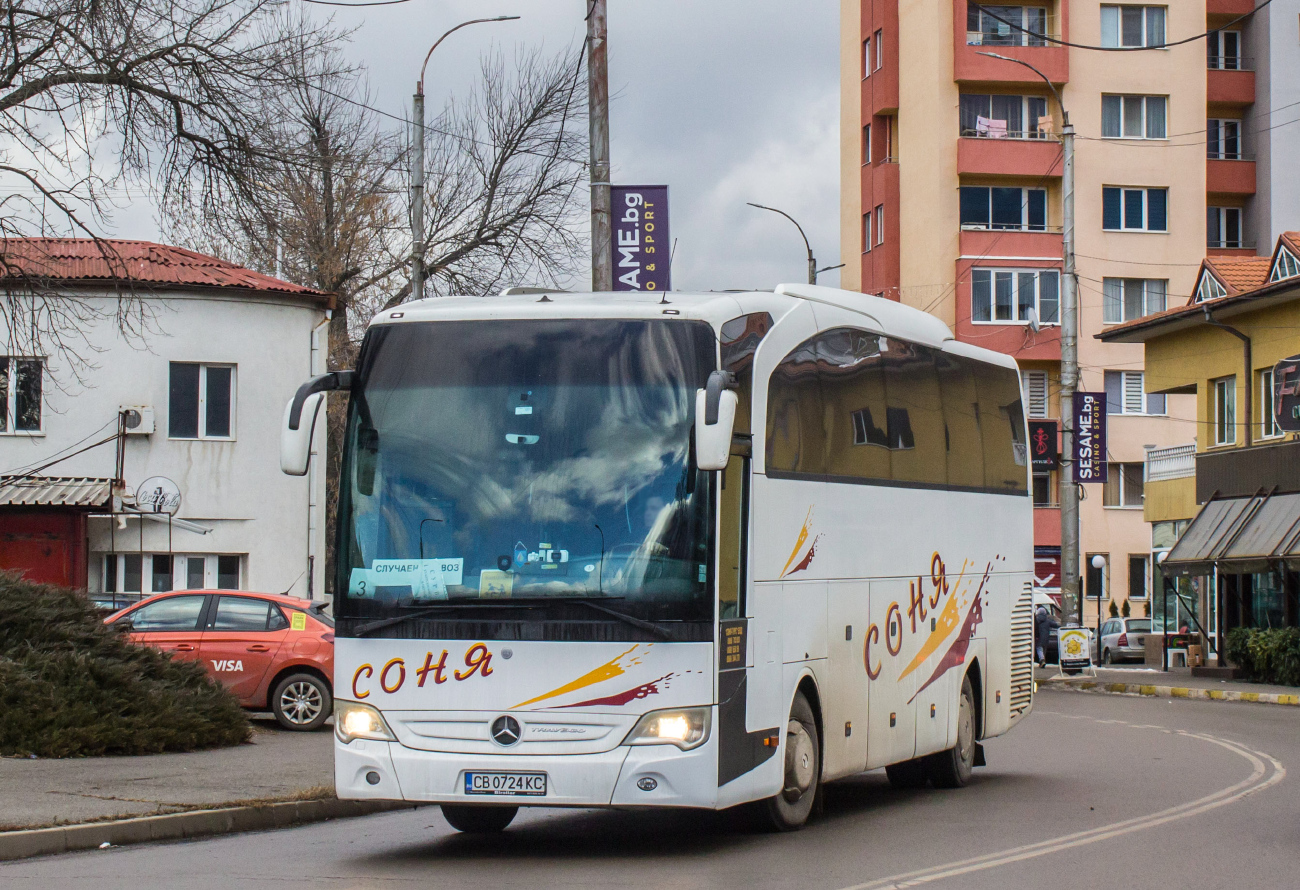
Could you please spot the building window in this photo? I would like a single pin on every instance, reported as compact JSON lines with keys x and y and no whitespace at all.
{"x":866,"y":58}
{"x":1011,"y":117}
{"x":1006,"y":296}
{"x":1223,"y":227}
{"x":1287,"y":266}
{"x":1036,"y":396}
{"x":880,"y":224}
{"x":1043,"y":490}
{"x":1123,"y":486}
{"x":880,"y":49}
{"x":20,"y":394}
{"x":866,"y":233}
{"x":1005,"y":25}
{"x":201,"y":401}
{"x":1137,"y":576}
{"x":890,"y":156}
{"x":1210,"y":288}
{"x":866,"y":144}
{"x":1223,"y":50}
{"x":1225,"y":411}
{"x":1132,"y":26}
{"x":1133,"y":117}
{"x":997,"y":207}
{"x":1223,"y":139}
{"x":1124,"y":394}
{"x":1134,"y":210}
{"x":145,"y":573}
{"x":1268,"y":427}
{"x":1125,"y":299}
{"x":1094,"y":579}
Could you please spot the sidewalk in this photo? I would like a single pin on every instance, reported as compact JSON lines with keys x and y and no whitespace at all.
{"x":1174,"y":683}
{"x":277,"y":765}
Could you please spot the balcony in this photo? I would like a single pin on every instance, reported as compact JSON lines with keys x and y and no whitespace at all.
{"x":984,"y":156}
{"x":1178,"y":462}
{"x":1229,"y":177}
{"x":972,"y":37}
{"x":1229,"y":7}
{"x":1228,"y":85}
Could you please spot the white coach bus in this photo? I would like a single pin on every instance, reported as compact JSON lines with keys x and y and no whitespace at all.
{"x":672,"y":550}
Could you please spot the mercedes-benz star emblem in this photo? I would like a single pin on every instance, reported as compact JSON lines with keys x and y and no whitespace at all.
{"x":506,"y":731}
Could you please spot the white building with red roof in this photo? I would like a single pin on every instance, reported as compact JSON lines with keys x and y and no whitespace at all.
{"x":155,"y":466}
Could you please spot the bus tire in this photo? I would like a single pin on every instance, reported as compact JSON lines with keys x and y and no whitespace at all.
{"x":478,"y":819}
{"x":789,"y":810}
{"x":908,"y":775}
{"x":952,"y":768}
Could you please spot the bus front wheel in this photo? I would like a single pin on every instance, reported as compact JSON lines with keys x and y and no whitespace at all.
{"x":478,"y":819}
{"x":952,"y":768}
{"x":788,"y":810}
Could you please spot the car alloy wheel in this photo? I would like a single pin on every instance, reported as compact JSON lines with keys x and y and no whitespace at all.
{"x":301,"y":702}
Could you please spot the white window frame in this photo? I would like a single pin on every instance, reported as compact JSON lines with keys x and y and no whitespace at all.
{"x":866,"y":57}
{"x":1224,"y":407}
{"x":1133,"y":397}
{"x":880,"y":224}
{"x":1222,"y":125}
{"x":1015,"y":302}
{"x":866,"y":232}
{"x":1216,"y":58}
{"x":180,"y":571}
{"x":1222,"y":215}
{"x":1146,"y":208}
{"x":1268,"y":427}
{"x":1209,"y":288}
{"x":880,"y":49}
{"x":1030,"y":120}
{"x":203,"y":402}
{"x":1112,"y":15}
{"x":10,"y":406}
{"x":1144,"y":120}
{"x":1037,"y":394}
{"x":1018,"y":37}
{"x":1287,"y":265}
{"x":1114,"y":302}
{"x":1115,"y":470}
{"x":866,"y":144}
{"x":1024,"y":211}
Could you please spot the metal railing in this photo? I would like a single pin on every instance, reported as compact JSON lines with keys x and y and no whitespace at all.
{"x":1178,"y":462}
{"x":1034,"y":135}
{"x":1224,"y":155}
{"x":1229,"y":63}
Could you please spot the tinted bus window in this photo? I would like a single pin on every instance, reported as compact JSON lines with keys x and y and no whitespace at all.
{"x":963,"y":443}
{"x":1002,"y":424}
{"x":915,"y":408}
{"x":795,"y":436}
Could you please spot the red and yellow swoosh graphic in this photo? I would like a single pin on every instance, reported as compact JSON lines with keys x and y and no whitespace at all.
{"x":607,"y":671}
{"x":947,"y":622}
{"x":798,"y":544}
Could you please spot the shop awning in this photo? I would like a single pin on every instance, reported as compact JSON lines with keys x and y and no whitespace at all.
{"x":56,"y":491}
{"x":1239,"y":535}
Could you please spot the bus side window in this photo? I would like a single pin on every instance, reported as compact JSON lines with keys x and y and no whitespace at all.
{"x":740,"y":338}
{"x":963,"y":440}
{"x":1006,"y":455}
{"x":912,"y":394}
{"x":795,"y":434}
{"x":861,"y":429}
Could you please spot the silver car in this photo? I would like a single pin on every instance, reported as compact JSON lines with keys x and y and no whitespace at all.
{"x":1122,"y":639}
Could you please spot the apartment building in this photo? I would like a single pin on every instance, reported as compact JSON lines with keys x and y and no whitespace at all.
{"x":951,"y":200}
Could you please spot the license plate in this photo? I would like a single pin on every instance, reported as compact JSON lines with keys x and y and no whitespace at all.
{"x":508,"y":784}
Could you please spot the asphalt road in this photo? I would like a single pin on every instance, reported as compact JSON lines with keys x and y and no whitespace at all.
{"x":1091,"y":790}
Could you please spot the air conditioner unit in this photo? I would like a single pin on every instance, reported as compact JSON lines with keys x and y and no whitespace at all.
{"x":138,"y":419}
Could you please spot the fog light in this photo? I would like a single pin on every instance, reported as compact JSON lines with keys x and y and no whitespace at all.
{"x":372,"y":777}
{"x":647,"y":784}
{"x":684,"y":727}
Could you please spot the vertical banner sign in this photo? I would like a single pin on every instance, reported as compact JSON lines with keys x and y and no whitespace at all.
{"x":1089,"y":437}
{"x":1042,"y":444}
{"x":640,"y":251}
{"x":1286,"y":394}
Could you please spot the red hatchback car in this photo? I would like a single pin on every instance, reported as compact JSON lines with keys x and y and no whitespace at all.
{"x":273,"y":652}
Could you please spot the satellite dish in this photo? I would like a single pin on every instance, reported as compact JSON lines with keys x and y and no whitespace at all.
{"x":1034,"y":324}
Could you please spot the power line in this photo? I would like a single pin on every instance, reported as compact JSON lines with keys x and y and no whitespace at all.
{"x":337,"y":3}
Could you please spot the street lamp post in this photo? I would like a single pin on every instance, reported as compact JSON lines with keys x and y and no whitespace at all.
{"x":812,"y":260}
{"x":1069,"y":352}
{"x":417,"y":163}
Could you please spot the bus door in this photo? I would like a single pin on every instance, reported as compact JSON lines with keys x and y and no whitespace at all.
{"x":891,"y":722}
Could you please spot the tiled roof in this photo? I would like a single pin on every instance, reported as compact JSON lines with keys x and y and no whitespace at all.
{"x":1292,"y":240}
{"x":1240,"y":274}
{"x":139,"y":262}
{"x":54,"y":491}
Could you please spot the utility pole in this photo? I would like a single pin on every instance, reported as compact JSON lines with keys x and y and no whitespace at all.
{"x":417,"y":163}
{"x":1069,"y":358}
{"x":602,"y":272}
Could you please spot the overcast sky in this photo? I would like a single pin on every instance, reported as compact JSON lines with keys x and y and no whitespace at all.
{"x":726,"y":102}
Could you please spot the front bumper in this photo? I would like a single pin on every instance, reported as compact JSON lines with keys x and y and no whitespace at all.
{"x":371,"y":770}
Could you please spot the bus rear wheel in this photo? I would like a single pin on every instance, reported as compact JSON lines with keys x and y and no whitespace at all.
{"x":952,"y":768}
{"x":478,"y":819}
{"x":789,"y":810}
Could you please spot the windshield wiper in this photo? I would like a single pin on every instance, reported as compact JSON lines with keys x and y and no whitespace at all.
{"x":647,"y":626}
{"x":530,"y":602}
{"x":389,"y":622}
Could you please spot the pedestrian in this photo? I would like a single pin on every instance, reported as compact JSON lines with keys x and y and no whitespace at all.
{"x":1043,"y":625}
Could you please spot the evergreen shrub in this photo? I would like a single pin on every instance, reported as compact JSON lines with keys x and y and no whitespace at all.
{"x":1268,"y":656}
{"x":71,"y":686}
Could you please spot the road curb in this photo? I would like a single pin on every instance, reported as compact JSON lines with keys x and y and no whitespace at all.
{"x":1191,"y":692}
{"x":180,"y":826}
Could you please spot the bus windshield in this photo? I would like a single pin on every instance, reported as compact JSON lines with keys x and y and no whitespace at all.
{"x":535,"y":464}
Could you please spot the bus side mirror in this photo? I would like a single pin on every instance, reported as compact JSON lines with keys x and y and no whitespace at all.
{"x":295,"y":444}
{"x":715,"y":418}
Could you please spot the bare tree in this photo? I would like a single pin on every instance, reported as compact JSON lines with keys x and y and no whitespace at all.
{"x":101,"y":96}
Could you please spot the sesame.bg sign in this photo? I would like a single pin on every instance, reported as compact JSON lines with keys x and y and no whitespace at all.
{"x":1089,"y":451}
{"x":640,"y":250}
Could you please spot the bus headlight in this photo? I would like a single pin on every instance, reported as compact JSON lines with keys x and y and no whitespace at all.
{"x":684,"y":727}
{"x":353,"y":720}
